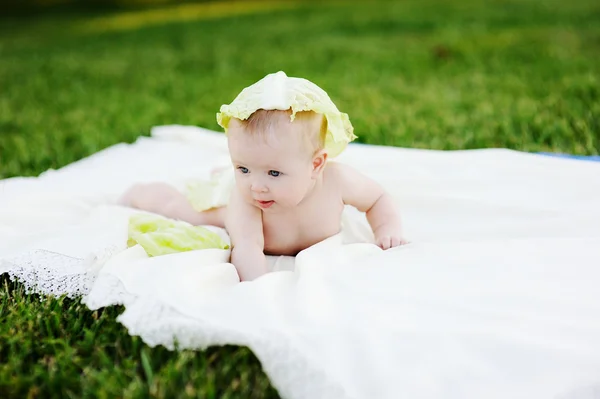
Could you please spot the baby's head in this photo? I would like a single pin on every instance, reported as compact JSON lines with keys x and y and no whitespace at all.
{"x":308,"y":129}
{"x":281,"y":131}
{"x":277,"y":161}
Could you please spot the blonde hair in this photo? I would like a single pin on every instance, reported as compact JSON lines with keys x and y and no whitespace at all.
{"x":266,"y":123}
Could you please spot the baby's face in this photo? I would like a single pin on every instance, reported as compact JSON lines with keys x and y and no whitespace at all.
{"x":271,"y":173}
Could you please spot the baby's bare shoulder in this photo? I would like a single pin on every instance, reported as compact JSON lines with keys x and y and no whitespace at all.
{"x":355,"y":188}
{"x":334,"y":177}
{"x":335,"y":172}
{"x":339,"y":174}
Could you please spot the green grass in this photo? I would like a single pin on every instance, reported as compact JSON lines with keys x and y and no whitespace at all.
{"x":59,"y":349}
{"x":417,"y":73}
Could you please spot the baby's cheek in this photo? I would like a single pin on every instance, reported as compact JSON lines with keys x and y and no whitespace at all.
{"x":296,"y":194}
{"x":284,"y":195}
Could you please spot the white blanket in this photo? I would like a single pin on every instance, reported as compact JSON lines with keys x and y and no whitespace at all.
{"x":497,"y":296}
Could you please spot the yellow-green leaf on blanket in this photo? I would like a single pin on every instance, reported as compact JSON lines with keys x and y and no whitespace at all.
{"x":199,"y":194}
{"x":146,"y":223}
{"x":161,"y":236}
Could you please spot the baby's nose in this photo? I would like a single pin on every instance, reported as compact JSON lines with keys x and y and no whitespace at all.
{"x":258,"y":187}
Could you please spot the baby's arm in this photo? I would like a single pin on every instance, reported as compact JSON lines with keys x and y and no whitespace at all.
{"x":244,"y":226}
{"x":368,"y":196}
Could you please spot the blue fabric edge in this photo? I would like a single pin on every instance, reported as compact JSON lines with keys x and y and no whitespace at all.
{"x":591,"y":158}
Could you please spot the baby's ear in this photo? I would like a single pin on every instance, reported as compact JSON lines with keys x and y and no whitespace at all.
{"x":318,"y":163}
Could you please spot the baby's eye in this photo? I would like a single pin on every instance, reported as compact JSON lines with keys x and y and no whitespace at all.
{"x":274,"y":173}
{"x":243,"y":169}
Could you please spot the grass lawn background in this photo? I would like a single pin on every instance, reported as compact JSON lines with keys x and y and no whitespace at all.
{"x":429,"y":74}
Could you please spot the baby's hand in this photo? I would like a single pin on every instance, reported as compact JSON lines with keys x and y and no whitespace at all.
{"x":388,"y":242}
{"x":387,"y":239}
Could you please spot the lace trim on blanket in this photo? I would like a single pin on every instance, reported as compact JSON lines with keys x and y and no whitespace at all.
{"x":51,"y":273}
{"x":288,"y":368}
{"x":108,"y":290}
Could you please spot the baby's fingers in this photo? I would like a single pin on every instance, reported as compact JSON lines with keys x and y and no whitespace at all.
{"x":384,"y":242}
{"x":396,"y":241}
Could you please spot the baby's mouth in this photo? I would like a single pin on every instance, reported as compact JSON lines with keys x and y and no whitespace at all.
{"x":265,"y":204}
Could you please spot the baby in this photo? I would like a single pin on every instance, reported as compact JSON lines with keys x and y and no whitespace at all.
{"x":281,"y":133}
